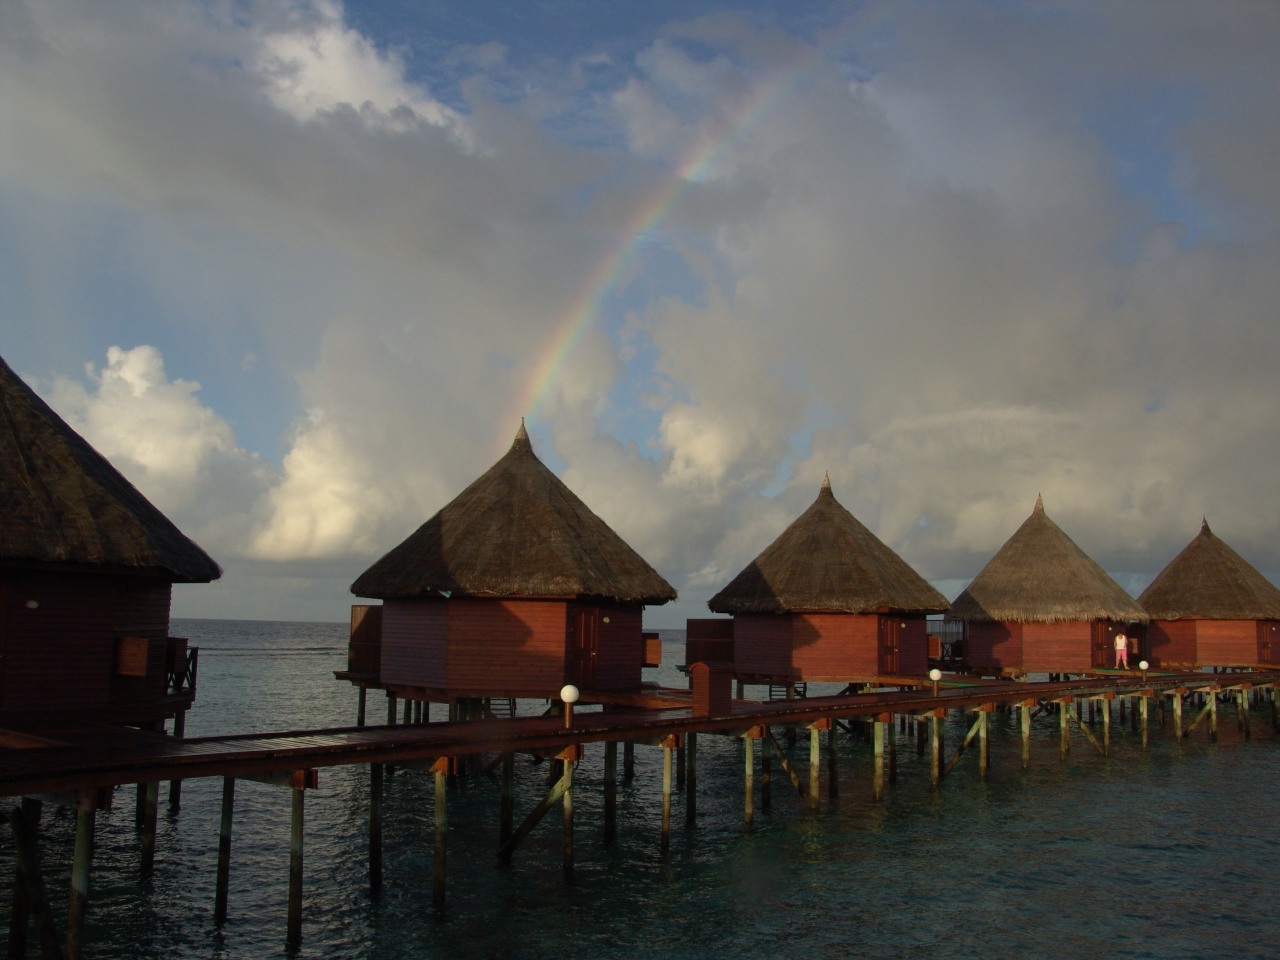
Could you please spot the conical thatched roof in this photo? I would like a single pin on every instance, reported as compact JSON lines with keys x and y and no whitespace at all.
{"x":827,"y":560}
{"x":65,"y":505}
{"x":1210,"y":581}
{"x":517,"y":531}
{"x":1041,"y":576}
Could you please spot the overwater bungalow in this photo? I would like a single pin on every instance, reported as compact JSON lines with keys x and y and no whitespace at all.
{"x":1210,"y":607}
{"x":827,"y":600}
{"x":513,"y":589}
{"x":1042,"y":605}
{"x":87,"y":566}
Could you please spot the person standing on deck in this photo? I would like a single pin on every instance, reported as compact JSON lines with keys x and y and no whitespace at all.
{"x":1122,"y":651}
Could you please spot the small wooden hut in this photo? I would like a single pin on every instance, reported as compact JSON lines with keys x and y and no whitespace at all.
{"x":512,"y":590}
{"x":1042,"y":605}
{"x":87,"y":565}
{"x":827,"y":600}
{"x":1210,"y":607}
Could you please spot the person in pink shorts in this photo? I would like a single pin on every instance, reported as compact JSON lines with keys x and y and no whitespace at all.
{"x":1122,"y":651}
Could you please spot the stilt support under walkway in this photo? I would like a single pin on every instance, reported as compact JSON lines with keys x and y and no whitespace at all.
{"x":375,"y":828}
{"x":691,"y":779}
{"x":30,"y":898}
{"x":223,"y":878}
{"x":610,"y":791}
{"x":78,"y":904}
{"x":442,"y":768}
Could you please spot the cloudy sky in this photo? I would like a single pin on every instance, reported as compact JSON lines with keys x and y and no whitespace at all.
{"x":299,"y":268}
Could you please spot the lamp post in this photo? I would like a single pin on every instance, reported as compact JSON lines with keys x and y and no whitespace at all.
{"x":1144,"y":667}
{"x":935,"y":675}
{"x":569,"y":694}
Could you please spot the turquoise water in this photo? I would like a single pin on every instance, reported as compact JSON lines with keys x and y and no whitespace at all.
{"x":1172,"y":853}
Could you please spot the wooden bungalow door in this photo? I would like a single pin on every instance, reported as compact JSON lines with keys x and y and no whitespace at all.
{"x":889,"y":637}
{"x":1104,"y":651}
{"x":1268,"y":641}
{"x":584,"y":645}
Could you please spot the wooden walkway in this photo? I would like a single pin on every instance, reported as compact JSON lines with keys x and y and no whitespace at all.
{"x":56,"y":759}
{"x":81,"y":764}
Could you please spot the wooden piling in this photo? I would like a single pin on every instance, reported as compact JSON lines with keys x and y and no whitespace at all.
{"x":362,"y":698}
{"x":935,"y":760}
{"x":691,"y":779}
{"x":1064,"y":728}
{"x":749,"y":771}
{"x":175,"y":786}
{"x":984,"y":740}
{"x":566,"y":842}
{"x":891,"y":759}
{"x":30,"y":898}
{"x":766,"y":775}
{"x":1175,"y":701}
{"x":1143,"y":700}
{"x":20,"y":908}
{"x":877,"y":775}
{"x":78,"y":905}
{"x":833,"y":773}
{"x":224,"y":852}
{"x":293,"y":936}
{"x":666,"y":794}
{"x":441,"y":849}
{"x":815,"y":766}
{"x":375,"y":828}
{"x":147,"y":847}
{"x":610,"y":790}
{"x":1025,"y":723}
{"x":1105,"y":706}
{"x":1213,"y":715}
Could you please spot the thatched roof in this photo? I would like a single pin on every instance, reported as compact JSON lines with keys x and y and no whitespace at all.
{"x":66,"y":506}
{"x":517,"y":531}
{"x":1210,"y":581}
{"x":1041,"y":576}
{"x":827,"y":560}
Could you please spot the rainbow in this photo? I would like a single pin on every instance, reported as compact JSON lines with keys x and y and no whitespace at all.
{"x":585,"y":307}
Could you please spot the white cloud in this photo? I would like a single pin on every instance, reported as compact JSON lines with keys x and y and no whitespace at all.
{"x":932,"y":280}
{"x":177,"y":451}
{"x":314,"y":64}
{"x":155,"y":430}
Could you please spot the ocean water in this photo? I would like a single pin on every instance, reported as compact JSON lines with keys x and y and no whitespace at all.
{"x":1173,"y":853}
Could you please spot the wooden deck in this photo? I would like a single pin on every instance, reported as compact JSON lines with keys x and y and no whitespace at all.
{"x":55,"y":759}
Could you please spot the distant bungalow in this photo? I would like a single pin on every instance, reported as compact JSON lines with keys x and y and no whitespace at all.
{"x":87,"y":565}
{"x":512,"y":590}
{"x":1210,"y":607}
{"x":1042,"y":605}
{"x":827,"y":600}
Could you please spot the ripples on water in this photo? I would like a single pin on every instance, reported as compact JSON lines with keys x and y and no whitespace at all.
{"x":1167,"y":854}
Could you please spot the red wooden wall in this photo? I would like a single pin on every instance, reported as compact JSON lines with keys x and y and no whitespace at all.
{"x":831,"y":646}
{"x":1226,"y":643}
{"x":59,"y":633}
{"x":994,"y":648}
{"x":1216,"y":643}
{"x":1065,"y":646}
{"x":1171,"y":642}
{"x":504,"y":647}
